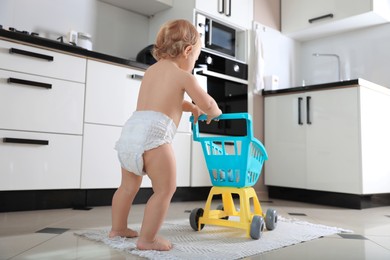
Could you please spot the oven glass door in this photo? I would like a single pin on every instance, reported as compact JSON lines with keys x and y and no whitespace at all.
{"x":220,"y":38}
{"x":231,"y":97}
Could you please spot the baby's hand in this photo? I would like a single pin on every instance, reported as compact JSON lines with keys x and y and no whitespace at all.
{"x":210,"y":117}
{"x":196,"y":112}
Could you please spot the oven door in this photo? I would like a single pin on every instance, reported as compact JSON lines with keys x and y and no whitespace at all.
{"x":231,"y":95}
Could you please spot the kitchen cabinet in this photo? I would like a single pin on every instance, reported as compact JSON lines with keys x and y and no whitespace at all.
{"x":101,"y":168}
{"x":111,"y":93}
{"x":241,"y":13}
{"x":41,"y":118}
{"x":329,"y":140}
{"x":309,"y":19}
{"x":237,"y":12}
{"x":111,"y":97}
{"x":144,"y":7}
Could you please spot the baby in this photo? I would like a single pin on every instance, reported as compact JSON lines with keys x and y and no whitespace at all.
{"x":145,"y":143}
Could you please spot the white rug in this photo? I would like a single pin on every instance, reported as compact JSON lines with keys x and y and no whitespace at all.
{"x":214,"y":242}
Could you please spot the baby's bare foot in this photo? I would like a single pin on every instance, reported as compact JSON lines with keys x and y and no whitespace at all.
{"x":123,"y":233}
{"x":159,"y":244}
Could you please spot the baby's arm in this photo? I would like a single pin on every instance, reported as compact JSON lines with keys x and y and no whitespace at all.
{"x":194,"y":109}
{"x":203,"y":100}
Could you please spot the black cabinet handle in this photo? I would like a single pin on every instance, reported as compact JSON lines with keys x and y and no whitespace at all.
{"x":320,"y":18}
{"x":31,"y":54}
{"x":308,"y":98}
{"x":29,"y":83}
{"x":300,"y":111}
{"x":25,"y":141}
{"x":136,"y":76}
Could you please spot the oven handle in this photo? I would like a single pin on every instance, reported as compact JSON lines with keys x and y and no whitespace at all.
{"x":209,"y":73}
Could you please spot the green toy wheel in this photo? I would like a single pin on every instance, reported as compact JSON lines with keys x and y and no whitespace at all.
{"x":194,"y":219}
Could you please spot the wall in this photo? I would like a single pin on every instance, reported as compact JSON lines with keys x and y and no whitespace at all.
{"x":280,"y":59}
{"x":112,"y":29}
{"x":363,"y":53}
{"x":267,"y":12}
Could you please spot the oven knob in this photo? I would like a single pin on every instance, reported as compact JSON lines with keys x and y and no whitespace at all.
{"x":209,"y":60}
{"x":236,"y":68}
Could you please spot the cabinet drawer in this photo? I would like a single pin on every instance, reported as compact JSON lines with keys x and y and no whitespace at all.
{"x":32,"y":161}
{"x":53,"y":106}
{"x":27,"y":59}
{"x":111,"y":93}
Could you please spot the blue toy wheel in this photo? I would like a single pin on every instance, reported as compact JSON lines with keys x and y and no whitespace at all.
{"x":271,"y":219}
{"x":194,"y":219}
{"x":257,"y":227}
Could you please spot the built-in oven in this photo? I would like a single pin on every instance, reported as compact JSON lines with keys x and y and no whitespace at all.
{"x":226,"y":80}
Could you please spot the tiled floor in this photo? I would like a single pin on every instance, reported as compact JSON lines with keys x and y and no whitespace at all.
{"x":48,"y":234}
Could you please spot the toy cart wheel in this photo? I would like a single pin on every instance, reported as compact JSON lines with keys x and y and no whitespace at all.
{"x":194,"y":219}
{"x":271,"y":219}
{"x":257,"y":227}
{"x":220,"y":207}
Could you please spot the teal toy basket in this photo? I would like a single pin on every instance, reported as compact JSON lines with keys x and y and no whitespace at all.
{"x":232,"y":161}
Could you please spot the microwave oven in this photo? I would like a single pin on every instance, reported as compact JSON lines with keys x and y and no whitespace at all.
{"x":220,"y":37}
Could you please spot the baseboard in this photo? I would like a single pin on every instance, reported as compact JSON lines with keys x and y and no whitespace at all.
{"x":344,"y":200}
{"x":83,"y":199}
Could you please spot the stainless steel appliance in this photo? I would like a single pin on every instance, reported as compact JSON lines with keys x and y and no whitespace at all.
{"x":220,"y":37}
{"x":226,"y":80}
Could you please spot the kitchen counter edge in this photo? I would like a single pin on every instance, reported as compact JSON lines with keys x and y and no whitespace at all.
{"x":330,"y":85}
{"x":67,"y":48}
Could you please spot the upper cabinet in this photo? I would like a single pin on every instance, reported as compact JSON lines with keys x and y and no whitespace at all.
{"x":238,"y":12}
{"x":144,"y":7}
{"x":310,"y":19}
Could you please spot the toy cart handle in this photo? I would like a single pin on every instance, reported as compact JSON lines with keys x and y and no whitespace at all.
{"x":227,"y":116}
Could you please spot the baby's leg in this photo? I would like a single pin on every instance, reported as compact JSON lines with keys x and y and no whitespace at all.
{"x":160,"y":165}
{"x":121,"y":204}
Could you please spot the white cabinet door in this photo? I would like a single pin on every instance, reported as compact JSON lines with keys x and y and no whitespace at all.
{"x":319,"y":150}
{"x":35,"y":103}
{"x":101,"y":168}
{"x":182,"y":148}
{"x":111,"y":93}
{"x":236,"y":12}
{"x":199,"y":173}
{"x":333,"y":141}
{"x":308,"y":19}
{"x":285,"y":140}
{"x":39,"y":161}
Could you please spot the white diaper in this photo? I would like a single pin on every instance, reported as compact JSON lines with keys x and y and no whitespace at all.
{"x":143,"y":131}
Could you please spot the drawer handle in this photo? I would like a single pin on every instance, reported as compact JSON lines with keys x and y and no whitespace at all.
{"x":320,"y":18}
{"x":136,"y":76}
{"x":29,"y":83}
{"x":25,"y":141}
{"x":31,"y":54}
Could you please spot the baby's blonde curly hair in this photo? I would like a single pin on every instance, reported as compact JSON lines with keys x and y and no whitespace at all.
{"x":173,"y":38}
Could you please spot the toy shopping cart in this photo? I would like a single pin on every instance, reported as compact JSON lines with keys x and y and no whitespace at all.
{"x":234,"y":164}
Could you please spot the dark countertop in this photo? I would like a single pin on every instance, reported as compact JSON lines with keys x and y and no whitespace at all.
{"x":314,"y":87}
{"x":65,"y":47}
